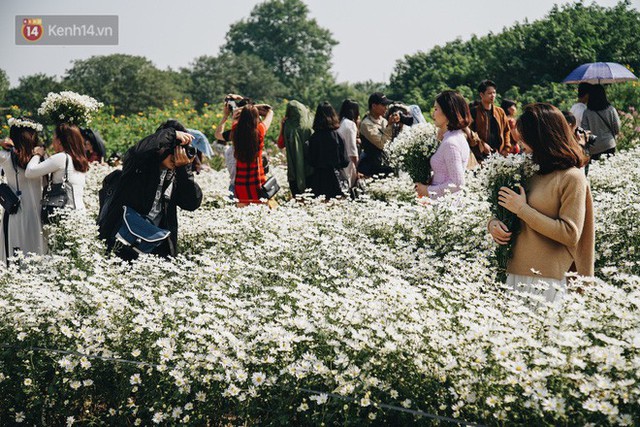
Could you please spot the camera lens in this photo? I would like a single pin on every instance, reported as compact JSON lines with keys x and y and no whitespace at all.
{"x":191,"y":151}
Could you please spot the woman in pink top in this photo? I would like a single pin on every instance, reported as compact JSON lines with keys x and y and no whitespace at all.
{"x":451,"y":115}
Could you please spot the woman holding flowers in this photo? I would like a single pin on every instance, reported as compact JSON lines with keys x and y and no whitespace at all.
{"x":451,"y":116}
{"x":21,"y":230}
{"x":69,"y":161}
{"x":556,"y":216}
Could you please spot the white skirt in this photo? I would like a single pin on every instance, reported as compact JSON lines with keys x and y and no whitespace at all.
{"x":553,"y":290}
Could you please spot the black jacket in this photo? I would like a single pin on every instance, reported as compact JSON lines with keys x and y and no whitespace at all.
{"x":327,"y":155}
{"x":137,"y":188}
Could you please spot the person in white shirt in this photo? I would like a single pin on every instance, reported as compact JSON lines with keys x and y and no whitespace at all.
{"x":579,"y":107}
{"x":21,"y":230}
{"x":348,"y":131}
{"x":70,"y":159}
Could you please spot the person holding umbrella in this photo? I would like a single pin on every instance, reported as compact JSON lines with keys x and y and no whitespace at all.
{"x":602,"y":119}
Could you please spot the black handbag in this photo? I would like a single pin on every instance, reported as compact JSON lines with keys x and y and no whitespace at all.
{"x":56,"y":196}
{"x":9,"y":200}
{"x":269,"y":188}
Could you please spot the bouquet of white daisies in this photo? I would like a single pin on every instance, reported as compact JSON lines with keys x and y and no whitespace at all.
{"x":69,"y":107}
{"x":412,"y":149}
{"x":511,"y":171}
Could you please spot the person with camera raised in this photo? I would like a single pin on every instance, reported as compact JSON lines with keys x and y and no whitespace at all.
{"x":233,"y":105}
{"x":248,"y":144}
{"x":601,"y":118}
{"x":375,"y":132}
{"x":156,"y":179}
{"x":21,"y":228}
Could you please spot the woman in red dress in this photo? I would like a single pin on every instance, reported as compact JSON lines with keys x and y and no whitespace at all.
{"x":248,"y":142}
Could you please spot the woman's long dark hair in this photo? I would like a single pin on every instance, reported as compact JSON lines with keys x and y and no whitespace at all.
{"x":350,"y":109}
{"x":73,"y":144}
{"x":597,"y":98}
{"x":544,"y":129}
{"x":455,"y":109}
{"x":326,"y":118}
{"x":24,"y":141}
{"x":245,"y":137}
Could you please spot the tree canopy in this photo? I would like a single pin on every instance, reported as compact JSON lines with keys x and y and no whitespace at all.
{"x":129,"y":83}
{"x":32,"y":90}
{"x":525,"y":55}
{"x":4,"y":85}
{"x":212,"y":77}
{"x":292,"y":45}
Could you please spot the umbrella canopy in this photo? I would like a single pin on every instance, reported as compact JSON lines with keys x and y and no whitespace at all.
{"x":600,"y":72}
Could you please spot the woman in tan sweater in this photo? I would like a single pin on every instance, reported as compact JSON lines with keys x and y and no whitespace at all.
{"x":557,"y":213}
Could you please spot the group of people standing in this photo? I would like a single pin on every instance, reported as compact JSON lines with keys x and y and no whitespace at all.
{"x":328,"y":153}
{"x":28,"y":171}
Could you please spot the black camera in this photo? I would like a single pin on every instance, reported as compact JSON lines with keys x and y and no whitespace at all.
{"x":233,"y":103}
{"x":589,"y":138}
{"x":189,"y":150}
{"x":402,"y":112}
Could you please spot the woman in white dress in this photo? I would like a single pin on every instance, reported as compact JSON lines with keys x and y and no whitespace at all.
{"x":68,"y":144}
{"x":21,"y":231}
{"x":348,"y":131}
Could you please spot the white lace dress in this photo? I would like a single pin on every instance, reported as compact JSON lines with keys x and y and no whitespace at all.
{"x":24,"y":230}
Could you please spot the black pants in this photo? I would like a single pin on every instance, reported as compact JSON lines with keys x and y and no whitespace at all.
{"x":609,"y":152}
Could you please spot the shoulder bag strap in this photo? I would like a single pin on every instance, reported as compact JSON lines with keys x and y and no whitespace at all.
{"x":14,"y":163}
{"x":66,"y":168}
{"x":605,"y":123}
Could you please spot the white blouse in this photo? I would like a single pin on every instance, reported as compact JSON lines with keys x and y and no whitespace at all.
{"x":348,"y":131}
{"x":55,"y":165}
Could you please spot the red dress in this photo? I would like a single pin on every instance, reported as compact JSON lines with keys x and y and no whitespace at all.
{"x":250,"y":176}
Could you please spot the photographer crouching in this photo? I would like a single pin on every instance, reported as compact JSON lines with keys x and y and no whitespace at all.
{"x":138,"y":204}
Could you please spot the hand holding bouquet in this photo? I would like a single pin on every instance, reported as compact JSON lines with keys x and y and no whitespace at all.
{"x":512,"y":171}
{"x":412,"y":149}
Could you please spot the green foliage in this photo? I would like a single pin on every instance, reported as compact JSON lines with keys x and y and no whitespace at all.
{"x":295,"y":47}
{"x":129,"y":83}
{"x":624,"y":96}
{"x":526,"y":56}
{"x":4,"y":85}
{"x":31,"y":91}
{"x":213,"y":77}
{"x":121,"y":131}
{"x":561,"y":95}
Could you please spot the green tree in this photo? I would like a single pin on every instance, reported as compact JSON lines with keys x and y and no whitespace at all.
{"x":212,"y":77}
{"x":4,"y":86}
{"x":31,"y":91}
{"x":526,"y":56}
{"x":293,"y":46}
{"x":129,"y":83}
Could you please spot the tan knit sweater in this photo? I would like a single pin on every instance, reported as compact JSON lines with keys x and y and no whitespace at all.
{"x":557,"y":227}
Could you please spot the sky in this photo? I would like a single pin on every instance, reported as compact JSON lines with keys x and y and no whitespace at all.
{"x":372,"y":34}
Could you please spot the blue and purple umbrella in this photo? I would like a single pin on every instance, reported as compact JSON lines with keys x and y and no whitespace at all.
{"x":599,"y":73}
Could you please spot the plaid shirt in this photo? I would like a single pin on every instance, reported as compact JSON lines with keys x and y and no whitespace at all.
{"x":250,"y":176}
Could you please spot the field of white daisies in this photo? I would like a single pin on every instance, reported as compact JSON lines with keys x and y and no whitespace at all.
{"x":317,"y":313}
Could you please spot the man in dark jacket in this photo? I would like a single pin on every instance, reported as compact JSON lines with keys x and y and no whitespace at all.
{"x":156,"y":178}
